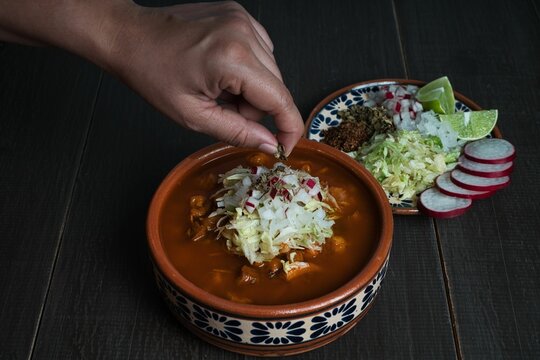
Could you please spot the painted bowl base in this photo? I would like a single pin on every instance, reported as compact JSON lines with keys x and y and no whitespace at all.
{"x":272,"y":351}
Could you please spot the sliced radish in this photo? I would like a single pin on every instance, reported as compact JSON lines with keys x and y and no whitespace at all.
{"x":485,"y":170}
{"x":447,"y":187}
{"x":436,"y":204}
{"x":490,"y":151}
{"x":473,"y":182}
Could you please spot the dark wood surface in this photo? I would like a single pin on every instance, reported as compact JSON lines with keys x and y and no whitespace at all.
{"x":81,"y":155}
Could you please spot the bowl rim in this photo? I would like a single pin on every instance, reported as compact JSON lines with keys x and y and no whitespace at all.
{"x":359,"y":281}
{"x":321,"y":104}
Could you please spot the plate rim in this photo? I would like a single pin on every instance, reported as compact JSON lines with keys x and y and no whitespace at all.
{"x":388,"y":81}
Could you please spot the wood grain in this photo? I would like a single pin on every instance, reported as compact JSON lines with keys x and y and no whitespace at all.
{"x":491,"y":253}
{"x":103,"y":302}
{"x":80,"y":158}
{"x":103,"y":298}
{"x":47,"y":99}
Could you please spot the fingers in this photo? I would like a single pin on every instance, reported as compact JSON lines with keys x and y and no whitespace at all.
{"x":286,"y":115}
{"x":244,"y":108}
{"x":266,"y":43}
{"x":219,"y":9}
{"x":265,"y":48}
{"x":267,"y":58}
{"x":226,"y":124}
{"x":251,"y":79}
{"x":266,"y":92}
{"x":261,"y":31}
{"x":261,"y":35}
{"x":269,"y":62}
{"x":238,"y":58}
{"x":242,"y":24}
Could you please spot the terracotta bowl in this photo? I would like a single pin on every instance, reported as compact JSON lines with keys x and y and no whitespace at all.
{"x":269,"y":330}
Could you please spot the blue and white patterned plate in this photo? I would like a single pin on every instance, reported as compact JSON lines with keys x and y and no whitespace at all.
{"x":324,"y":116}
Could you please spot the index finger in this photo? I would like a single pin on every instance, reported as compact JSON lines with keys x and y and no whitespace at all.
{"x":265,"y":91}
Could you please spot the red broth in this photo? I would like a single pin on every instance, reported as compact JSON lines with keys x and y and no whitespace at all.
{"x":208,"y":264}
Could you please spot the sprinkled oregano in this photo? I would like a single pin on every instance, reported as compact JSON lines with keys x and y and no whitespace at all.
{"x":280,"y":153}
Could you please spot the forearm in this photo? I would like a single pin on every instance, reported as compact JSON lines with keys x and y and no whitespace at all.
{"x":87,"y":28}
{"x":182,"y":59}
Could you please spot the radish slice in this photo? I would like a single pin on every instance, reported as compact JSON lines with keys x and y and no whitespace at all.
{"x":490,"y":151}
{"x":472,"y":182}
{"x":447,"y":187}
{"x":485,"y":170}
{"x":436,"y":204}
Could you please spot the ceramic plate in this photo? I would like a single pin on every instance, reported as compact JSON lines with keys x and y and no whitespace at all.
{"x":324,"y":116}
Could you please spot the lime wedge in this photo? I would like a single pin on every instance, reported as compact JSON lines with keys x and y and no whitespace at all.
{"x":472,"y":125}
{"x":437,"y":96}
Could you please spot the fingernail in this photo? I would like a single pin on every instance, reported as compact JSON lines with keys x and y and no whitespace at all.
{"x":268,"y":148}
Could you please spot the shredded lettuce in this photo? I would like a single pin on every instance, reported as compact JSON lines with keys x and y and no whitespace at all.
{"x":406,"y":162}
{"x":292,"y":264}
{"x":265,"y":210}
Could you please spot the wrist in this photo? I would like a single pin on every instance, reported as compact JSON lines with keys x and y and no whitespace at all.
{"x":96,"y":32}
{"x":87,"y":28}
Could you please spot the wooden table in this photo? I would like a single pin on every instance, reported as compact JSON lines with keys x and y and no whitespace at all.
{"x":81,"y":155}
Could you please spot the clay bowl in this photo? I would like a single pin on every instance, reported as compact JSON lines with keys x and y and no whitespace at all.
{"x":269,"y":330}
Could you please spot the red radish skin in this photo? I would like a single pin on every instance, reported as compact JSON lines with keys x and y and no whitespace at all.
{"x":447,"y":187}
{"x":490,"y":151}
{"x":477,"y":183}
{"x":485,"y":170}
{"x":436,"y":204}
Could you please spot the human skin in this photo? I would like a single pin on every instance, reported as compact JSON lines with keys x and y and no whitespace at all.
{"x":208,"y":66}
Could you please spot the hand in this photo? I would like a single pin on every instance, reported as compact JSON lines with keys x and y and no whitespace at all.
{"x":209,"y":67}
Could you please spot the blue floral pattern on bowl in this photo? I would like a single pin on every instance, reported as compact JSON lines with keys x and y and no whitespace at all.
{"x":176,"y":302}
{"x":321,"y":123}
{"x":277,"y":333}
{"x":280,"y":332}
{"x":327,"y":118}
{"x":333,"y":320}
{"x":217,"y":324}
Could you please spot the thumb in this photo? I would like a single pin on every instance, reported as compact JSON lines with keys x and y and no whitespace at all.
{"x":231,"y":127}
{"x":266,"y":92}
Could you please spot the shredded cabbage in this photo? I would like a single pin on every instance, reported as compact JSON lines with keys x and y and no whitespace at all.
{"x":264,"y":210}
{"x":406,"y":162}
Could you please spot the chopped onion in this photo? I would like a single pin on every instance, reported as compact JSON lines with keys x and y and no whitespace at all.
{"x":270,"y":207}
